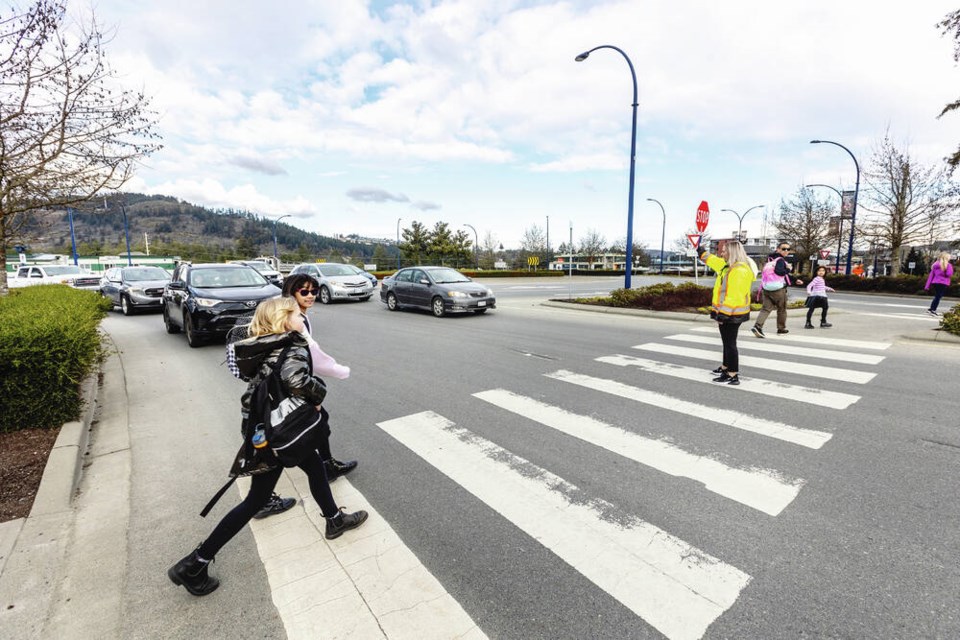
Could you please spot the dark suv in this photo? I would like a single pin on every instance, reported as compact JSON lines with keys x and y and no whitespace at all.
{"x":207,"y":300}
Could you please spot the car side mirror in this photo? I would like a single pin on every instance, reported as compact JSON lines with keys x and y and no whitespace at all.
{"x":177,"y":286}
{"x":424,"y":281}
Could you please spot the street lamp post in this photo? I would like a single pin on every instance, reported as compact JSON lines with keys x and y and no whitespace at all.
{"x":663,"y":231}
{"x":840,"y":230}
{"x":633,"y":156}
{"x":856,"y":194}
{"x":476,"y":245}
{"x":73,"y":238}
{"x":126,"y":232}
{"x":398,"y":242}
{"x":276,"y":256}
{"x":740,"y":218}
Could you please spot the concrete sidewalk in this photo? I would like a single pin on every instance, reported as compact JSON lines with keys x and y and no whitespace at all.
{"x":62,"y":569}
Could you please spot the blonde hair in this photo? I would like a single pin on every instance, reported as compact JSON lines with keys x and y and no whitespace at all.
{"x":272,"y":316}
{"x":944,"y":260}
{"x":736,"y":253}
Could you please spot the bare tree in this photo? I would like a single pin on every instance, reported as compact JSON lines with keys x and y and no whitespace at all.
{"x":534,"y":240}
{"x":907,"y":202}
{"x":804,"y":220}
{"x":951,"y":25}
{"x":591,"y":245}
{"x":67,"y":129}
{"x":488,"y":250}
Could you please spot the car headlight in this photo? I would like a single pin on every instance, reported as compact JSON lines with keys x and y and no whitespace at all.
{"x":206,"y":302}
{"x":490,"y":292}
{"x":69,"y":281}
{"x":457,"y":294}
{"x":136,"y":290}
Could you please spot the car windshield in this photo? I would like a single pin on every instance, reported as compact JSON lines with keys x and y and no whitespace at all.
{"x":141,"y":274}
{"x":65,"y":271}
{"x":447,"y":276}
{"x":335,"y":270}
{"x":226,"y":277}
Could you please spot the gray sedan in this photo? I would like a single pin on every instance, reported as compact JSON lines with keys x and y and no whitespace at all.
{"x":132,"y":288}
{"x":442,"y":290}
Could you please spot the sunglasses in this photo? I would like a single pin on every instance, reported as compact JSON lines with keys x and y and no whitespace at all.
{"x":309,"y":292}
{"x":784,"y":248}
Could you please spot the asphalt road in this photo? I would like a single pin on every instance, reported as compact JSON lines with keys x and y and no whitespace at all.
{"x":855,"y":537}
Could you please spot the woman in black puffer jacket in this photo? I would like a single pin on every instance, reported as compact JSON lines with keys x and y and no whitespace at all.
{"x":276,"y":326}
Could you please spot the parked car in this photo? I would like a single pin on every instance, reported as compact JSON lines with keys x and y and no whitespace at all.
{"x":68,"y":274}
{"x":442,"y":290}
{"x":134,"y":288}
{"x":207,"y":300}
{"x":366,"y":274}
{"x":272,"y":275}
{"x":337,"y":281}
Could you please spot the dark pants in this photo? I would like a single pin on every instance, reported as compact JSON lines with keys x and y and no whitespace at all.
{"x":261,"y":487}
{"x":822,"y":303}
{"x":938,"y":291}
{"x":728,"y":334}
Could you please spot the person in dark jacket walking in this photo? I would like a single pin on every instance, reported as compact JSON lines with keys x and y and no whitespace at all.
{"x":277,"y":327}
{"x":775,"y":276}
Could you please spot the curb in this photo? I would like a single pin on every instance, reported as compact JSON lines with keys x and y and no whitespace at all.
{"x":61,"y":475}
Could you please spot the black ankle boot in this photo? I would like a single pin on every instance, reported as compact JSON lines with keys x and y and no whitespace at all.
{"x":344,"y":522}
{"x":335,"y":468}
{"x":191,"y":574}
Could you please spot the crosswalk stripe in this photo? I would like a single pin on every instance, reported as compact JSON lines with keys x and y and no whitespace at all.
{"x":820,"y":397}
{"x":761,"y":489}
{"x":675,"y":587}
{"x":805,"y":339}
{"x":759,"y":345}
{"x":794,"y":368}
{"x":726,"y":417}
{"x":910,"y":316}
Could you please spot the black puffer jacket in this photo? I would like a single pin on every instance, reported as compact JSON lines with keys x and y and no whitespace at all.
{"x":256,"y":357}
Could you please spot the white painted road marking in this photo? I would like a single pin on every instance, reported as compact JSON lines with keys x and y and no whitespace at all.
{"x":785,"y":349}
{"x":726,"y":417}
{"x":761,"y":489}
{"x":821,"y":397}
{"x":794,"y":368}
{"x":805,"y":339}
{"x":673,"y":586}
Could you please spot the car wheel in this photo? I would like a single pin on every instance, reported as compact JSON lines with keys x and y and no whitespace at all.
{"x":392,"y":303}
{"x":192,"y":338}
{"x":324,"y":295}
{"x":168,"y":323}
{"x":479,"y":311}
{"x":437,"y":306}
{"x":125,"y":306}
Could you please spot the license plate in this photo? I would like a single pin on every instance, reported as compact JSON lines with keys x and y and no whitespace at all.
{"x":482,"y":303}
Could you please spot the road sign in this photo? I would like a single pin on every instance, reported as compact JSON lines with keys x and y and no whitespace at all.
{"x":533,"y":261}
{"x":703,"y":216}
{"x":824,"y":253}
{"x":694,"y":239}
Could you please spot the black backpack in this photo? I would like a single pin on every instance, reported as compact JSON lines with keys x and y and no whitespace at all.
{"x":289,"y":425}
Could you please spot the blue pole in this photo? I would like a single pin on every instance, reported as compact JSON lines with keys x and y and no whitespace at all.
{"x":633,"y":156}
{"x":126,"y":231}
{"x":398,"y":243}
{"x":73,"y":239}
{"x":663,"y":230}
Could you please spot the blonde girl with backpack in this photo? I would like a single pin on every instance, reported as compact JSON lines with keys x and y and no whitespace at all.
{"x":276,"y":330}
{"x":940,"y":273}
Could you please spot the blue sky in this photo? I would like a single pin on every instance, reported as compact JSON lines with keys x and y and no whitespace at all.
{"x":351,"y":114}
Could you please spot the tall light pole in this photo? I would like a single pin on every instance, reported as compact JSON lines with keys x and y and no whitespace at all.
{"x":856,"y":194}
{"x":836,"y":269}
{"x":633,"y":156}
{"x":740,"y":218}
{"x":73,"y":238}
{"x":476,"y":245}
{"x":663,"y":231}
{"x":398,"y":242}
{"x":276,"y":256}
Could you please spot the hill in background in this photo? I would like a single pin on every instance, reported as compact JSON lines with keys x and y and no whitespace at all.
{"x":175,"y":227}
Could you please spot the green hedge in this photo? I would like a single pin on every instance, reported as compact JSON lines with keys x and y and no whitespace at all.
{"x":664,"y":296}
{"x":906,"y":284}
{"x":951,"y":321}
{"x":48,"y":344}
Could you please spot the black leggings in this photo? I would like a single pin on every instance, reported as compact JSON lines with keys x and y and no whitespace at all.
{"x":261,"y":487}
{"x":728,"y":334}
{"x":823,"y":314}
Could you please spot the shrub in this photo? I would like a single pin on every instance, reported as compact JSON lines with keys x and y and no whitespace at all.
{"x":48,"y":344}
{"x":664,"y":296}
{"x":951,"y":321}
